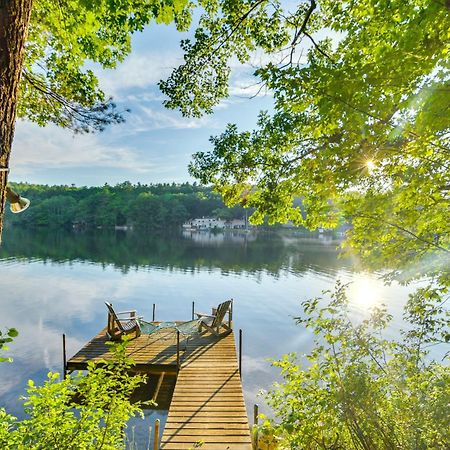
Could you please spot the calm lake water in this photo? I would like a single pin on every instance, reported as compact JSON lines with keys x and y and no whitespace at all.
{"x":56,"y":282}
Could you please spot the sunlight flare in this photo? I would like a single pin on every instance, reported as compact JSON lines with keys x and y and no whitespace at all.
{"x":365,"y":292}
{"x":370,"y":166}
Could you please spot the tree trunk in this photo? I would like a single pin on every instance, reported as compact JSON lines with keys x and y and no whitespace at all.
{"x":14,"y":21}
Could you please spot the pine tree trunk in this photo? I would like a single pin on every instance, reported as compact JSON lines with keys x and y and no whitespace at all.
{"x":14,"y":21}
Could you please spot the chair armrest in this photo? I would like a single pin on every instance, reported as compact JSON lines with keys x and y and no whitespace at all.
{"x":126,"y":312}
{"x":126,"y":319}
{"x":203,"y":315}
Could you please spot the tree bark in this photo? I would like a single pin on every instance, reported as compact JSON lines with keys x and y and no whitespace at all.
{"x":14,"y":21}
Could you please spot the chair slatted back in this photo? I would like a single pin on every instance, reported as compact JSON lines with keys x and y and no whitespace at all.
{"x":117,"y":327}
{"x":220,"y":314}
{"x":113,"y":319}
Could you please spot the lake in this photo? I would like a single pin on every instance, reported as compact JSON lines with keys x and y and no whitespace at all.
{"x":55,"y":282}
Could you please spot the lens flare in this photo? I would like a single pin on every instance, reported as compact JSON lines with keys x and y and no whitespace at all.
{"x":365,"y":291}
{"x":370,"y":166}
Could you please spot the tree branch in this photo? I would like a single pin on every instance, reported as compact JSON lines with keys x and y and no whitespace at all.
{"x":79,"y":117}
{"x":302,"y":29}
{"x":381,"y":120}
{"x":236,"y":26}
{"x":317,"y":46}
{"x":394,"y":225}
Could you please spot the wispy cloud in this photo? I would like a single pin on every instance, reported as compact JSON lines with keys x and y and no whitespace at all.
{"x":161,"y":119}
{"x":247,"y":87}
{"x":139,"y":71}
{"x":52,"y":147}
{"x":149,"y":95}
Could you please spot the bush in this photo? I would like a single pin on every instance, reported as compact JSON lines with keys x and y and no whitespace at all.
{"x":80,"y":412}
{"x":360,"y":390}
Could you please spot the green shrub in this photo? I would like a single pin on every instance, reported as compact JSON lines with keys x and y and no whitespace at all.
{"x":83,"y":411}
{"x":360,"y":390}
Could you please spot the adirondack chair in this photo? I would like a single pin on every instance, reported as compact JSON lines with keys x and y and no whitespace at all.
{"x":117,"y":327}
{"x":214,"y":322}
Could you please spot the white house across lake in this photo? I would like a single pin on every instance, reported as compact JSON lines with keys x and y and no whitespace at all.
{"x":211,"y":223}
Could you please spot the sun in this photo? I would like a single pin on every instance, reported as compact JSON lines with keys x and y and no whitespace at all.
{"x":370,"y":166}
{"x":365,"y":291}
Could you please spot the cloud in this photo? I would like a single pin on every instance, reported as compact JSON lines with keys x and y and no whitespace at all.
{"x":139,"y":71}
{"x":53,"y":147}
{"x":243,"y":82}
{"x":156,"y":120}
{"x":150,"y":95}
{"x":244,"y":86}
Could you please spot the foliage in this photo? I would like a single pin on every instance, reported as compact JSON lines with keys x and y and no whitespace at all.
{"x":6,"y":337}
{"x":225,"y":29}
{"x":360,"y":390}
{"x":79,"y":412}
{"x":360,"y":132}
{"x":58,"y":85}
{"x":145,"y":206}
{"x":355,"y":133}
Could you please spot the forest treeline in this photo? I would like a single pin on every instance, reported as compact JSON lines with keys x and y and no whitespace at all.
{"x":144,"y":206}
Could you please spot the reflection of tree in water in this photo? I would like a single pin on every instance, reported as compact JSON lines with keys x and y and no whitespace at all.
{"x":233,"y":253}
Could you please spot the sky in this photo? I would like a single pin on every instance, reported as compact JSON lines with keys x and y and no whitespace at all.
{"x":154,"y":144}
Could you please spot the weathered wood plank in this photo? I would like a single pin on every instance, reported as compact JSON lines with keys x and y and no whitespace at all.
{"x":194,"y":427}
{"x":212,"y":439}
{"x":208,"y":446}
{"x":211,"y":421}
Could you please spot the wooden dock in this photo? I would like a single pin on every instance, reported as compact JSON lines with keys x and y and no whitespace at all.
{"x":207,"y":404}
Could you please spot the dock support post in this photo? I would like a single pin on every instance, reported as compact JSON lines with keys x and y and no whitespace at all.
{"x":193,"y":309}
{"x":255,"y":414}
{"x":158,"y":386}
{"x":178,"y":350}
{"x":230,"y":314}
{"x":153,"y":316}
{"x":255,"y":425}
{"x":240,"y":353}
{"x":156,"y":436}
{"x":64,"y":356}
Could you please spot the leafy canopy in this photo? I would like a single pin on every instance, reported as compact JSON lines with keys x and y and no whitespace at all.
{"x":360,"y":129}
{"x":361,"y":133}
{"x":65,"y":39}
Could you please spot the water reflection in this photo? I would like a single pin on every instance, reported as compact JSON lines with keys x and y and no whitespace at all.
{"x":219,"y":238}
{"x":234,"y":252}
{"x":56,"y":282}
